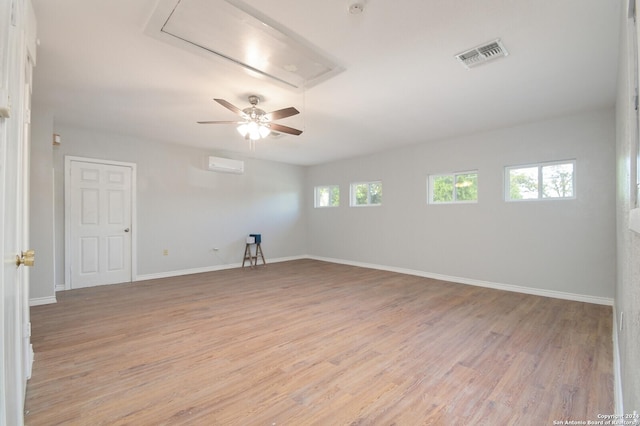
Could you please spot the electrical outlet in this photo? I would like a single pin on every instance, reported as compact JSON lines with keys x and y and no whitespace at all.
{"x":165,"y":252}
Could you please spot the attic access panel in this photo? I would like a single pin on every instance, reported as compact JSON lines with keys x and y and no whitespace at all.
{"x":232,"y":30}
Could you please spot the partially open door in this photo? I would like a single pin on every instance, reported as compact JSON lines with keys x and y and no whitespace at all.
{"x":17,"y":57}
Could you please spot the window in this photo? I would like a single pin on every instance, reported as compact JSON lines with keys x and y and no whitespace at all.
{"x":366,"y":194}
{"x":327,"y":196}
{"x":540,"y":181}
{"x":454,"y":188}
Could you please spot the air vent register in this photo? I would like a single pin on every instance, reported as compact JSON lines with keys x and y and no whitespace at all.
{"x":481,"y":54}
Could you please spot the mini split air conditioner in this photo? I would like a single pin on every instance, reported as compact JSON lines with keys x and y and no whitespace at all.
{"x":226,"y":165}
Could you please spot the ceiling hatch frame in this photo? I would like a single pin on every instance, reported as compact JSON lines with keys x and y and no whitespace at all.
{"x":234,"y":31}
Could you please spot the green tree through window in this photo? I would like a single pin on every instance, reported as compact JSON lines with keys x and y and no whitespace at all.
{"x":557,"y":181}
{"x":538,"y":181}
{"x":375,"y":193}
{"x":455,"y":187}
{"x":366,"y":194}
{"x":327,"y":196}
{"x":467,"y":187}
{"x":443,"y":189}
{"x":523,"y":183}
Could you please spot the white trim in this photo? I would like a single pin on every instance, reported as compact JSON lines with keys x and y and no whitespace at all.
{"x":617,"y":377}
{"x":53,"y":226}
{"x":67,"y":224}
{"x":37,"y":301}
{"x":460,"y":280}
{"x":60,"y":287}
{"x":181,"y":272}
{"x":213,"y":268}
{"x":30,"y":359}
{"x":634,"y":220}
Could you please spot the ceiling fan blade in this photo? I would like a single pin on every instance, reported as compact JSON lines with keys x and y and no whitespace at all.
{"x":220,"y":122}
{"x":284,"y":129}
{"x":281,"y":113}
{"x":231,"y":107}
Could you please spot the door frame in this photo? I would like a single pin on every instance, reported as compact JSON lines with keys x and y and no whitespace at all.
{"x":67,"y":217}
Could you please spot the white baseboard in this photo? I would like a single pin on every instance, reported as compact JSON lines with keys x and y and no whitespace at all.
{"x":461,"y":280}
{"x":498,"y":286}
{"x":617,"y":377}
{"x":180,"y":272}
{"x":60,"y":287}
{"x":37,"y":301}
{"x":212,"y":268}
{"x":29,"y":362}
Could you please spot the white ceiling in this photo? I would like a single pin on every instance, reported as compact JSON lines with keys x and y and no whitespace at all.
{"x":401,"y":85}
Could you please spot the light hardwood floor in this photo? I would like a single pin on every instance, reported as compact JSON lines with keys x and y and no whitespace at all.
{"x":314,"y":343}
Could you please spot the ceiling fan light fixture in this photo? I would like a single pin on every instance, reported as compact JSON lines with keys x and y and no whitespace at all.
{"x":264,"y":131}
{"x":243,"y":129}
{"x":253,"y":130}
{"x":257,"y":124}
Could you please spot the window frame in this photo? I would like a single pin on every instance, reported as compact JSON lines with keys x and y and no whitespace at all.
{"x":634,"y":176}
{"x":540,"y":189}
{"x":430,"y":188}
{"x":634,"y":107}
{"x":316,"y":203}
{"x":352,"y":193}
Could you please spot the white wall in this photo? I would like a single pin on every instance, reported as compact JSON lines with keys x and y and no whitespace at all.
{"x":628,"y":248}
{"x":186,"y":209}
{"x":566,"y":246}
{"x":41,"y":275}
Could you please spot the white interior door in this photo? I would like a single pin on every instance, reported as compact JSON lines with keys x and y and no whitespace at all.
{"x":99,"y":216}
{"x":12,"y":366}
{"x":17,"y":57}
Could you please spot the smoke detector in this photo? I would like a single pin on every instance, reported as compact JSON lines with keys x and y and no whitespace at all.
{"x":356,"y":8}
{"x":481,"y":54}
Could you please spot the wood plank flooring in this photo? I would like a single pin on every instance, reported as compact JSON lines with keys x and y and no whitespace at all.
{"x":314,"y":343}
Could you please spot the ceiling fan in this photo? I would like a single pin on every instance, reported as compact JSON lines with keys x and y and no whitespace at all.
{"x":256,"y":123}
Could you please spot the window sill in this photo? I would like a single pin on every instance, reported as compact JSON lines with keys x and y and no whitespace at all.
{"x":634,"y":220}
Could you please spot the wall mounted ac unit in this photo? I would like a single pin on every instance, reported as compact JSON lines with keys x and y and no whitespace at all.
{"x":226,"y":165}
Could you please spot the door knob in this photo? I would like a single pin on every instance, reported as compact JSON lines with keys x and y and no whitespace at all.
{"x":126,"y":230}
{"x":26,"y":258}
